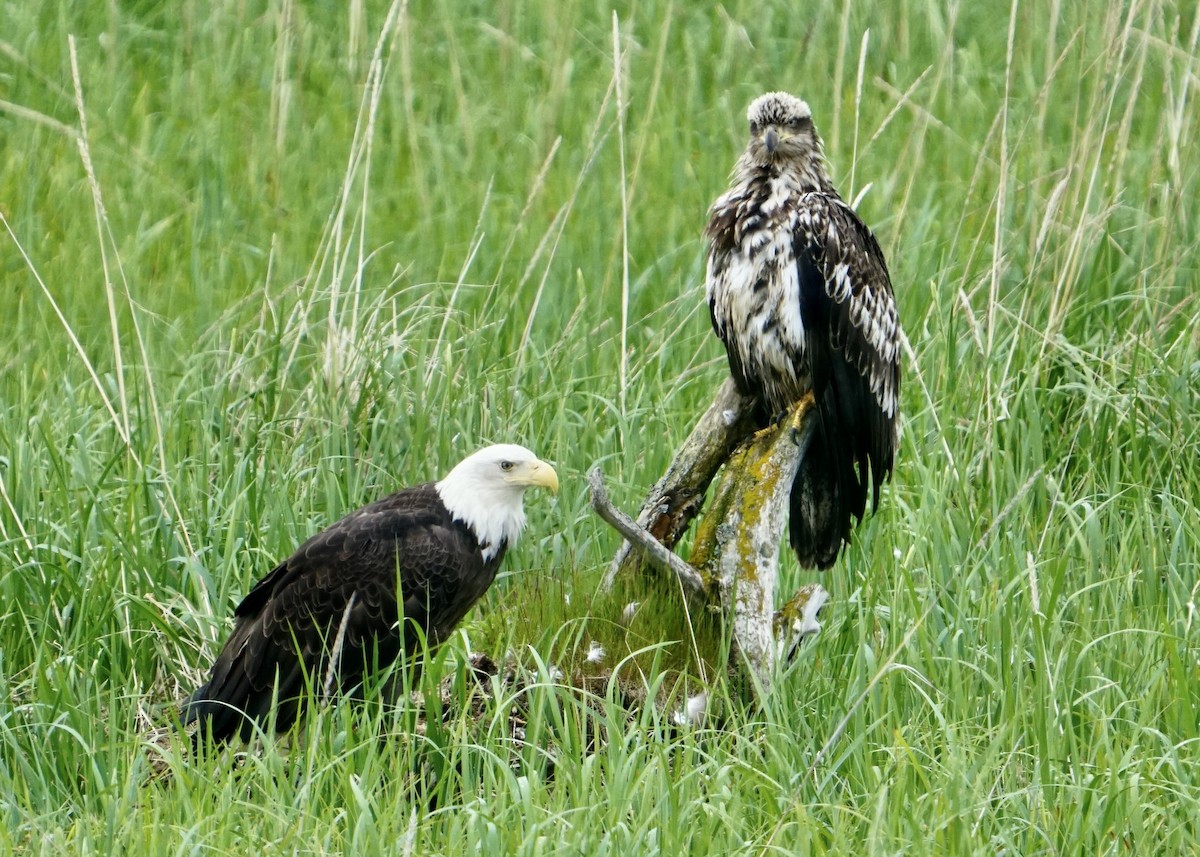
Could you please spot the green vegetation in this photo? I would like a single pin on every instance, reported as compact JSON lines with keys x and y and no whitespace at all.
{"x":307,"y":252}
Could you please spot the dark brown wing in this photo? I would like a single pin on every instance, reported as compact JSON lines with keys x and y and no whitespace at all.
{"x":342,"y":580}
{"x":852,"y":343}
{"x":863,"y":326}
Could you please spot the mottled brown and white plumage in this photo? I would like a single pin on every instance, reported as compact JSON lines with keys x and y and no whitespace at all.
{"x":332,"y":610}
{"x":800,"y":295}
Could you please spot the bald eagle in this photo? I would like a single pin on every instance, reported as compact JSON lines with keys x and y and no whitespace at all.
{"x":800,"y":296}
{"x":336,"y":596}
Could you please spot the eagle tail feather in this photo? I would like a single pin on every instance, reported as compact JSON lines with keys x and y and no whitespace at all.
{"x":242,"y":689}
{"x":827,"y":495}
{"x":815,"y":508}
{"x":215,"y":713}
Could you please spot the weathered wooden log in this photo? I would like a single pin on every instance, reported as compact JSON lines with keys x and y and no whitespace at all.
{"x":735,"y":559}
{"x":675,"y":499}
{"x":799,"y":618}
{"x":737,"y":541}
{"x":641,"y":538}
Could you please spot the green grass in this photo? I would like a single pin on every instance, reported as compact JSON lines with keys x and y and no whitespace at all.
{"x":322,"y":251}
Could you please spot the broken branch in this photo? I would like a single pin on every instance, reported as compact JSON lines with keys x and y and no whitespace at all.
{"x":639,"y":537}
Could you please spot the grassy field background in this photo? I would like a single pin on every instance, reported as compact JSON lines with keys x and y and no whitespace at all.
{"x":263,"y":262}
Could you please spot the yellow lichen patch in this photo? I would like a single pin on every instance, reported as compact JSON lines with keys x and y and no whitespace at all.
{"x":745,"y":492}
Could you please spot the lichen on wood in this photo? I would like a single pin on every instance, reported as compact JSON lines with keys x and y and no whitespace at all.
{"x":737,"y":540}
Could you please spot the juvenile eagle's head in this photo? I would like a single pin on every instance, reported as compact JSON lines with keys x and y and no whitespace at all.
{"x":782,"y":133}
{"x":486,"y":489}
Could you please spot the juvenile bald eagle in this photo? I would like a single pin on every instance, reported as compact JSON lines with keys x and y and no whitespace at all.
{"x":337,"y":594}
{"x":800,"y":295}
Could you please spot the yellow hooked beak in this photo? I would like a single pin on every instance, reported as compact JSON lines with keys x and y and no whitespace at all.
{"x":536,"y":474}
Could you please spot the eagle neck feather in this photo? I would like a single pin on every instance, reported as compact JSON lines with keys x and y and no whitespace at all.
{"x":494,"y":514}
{"x":797,"y":175}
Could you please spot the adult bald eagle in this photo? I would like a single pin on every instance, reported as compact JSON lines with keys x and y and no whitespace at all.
{"x":800,"y":295}
{"x":337,"y":594}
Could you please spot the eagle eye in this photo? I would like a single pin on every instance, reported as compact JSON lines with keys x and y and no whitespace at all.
{"x":506,"y":466}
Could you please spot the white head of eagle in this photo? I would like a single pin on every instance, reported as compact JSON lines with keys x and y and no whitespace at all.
{"x":800,"y":295}
{"x":486,"y":491}
{"x":367,"y":590}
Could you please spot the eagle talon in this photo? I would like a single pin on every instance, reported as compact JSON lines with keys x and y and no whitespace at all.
{"x":764,"y":433}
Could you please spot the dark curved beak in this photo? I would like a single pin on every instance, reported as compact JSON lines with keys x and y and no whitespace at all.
{"x":771,"y":140}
